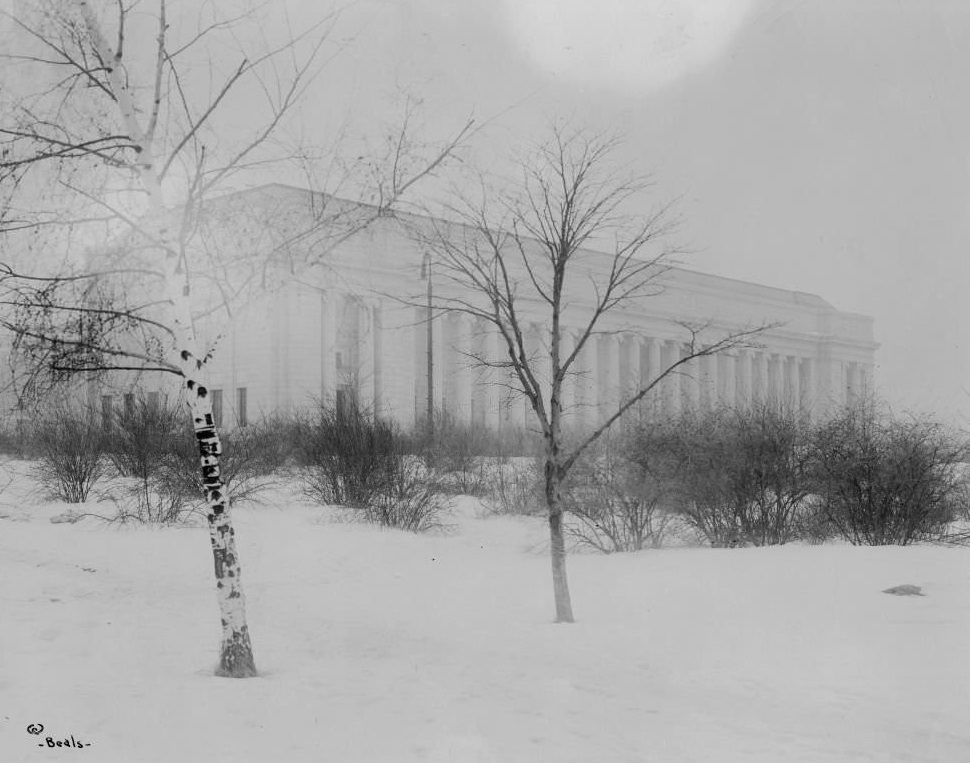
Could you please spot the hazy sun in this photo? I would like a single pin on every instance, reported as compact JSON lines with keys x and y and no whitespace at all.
{"x":625,"y":44}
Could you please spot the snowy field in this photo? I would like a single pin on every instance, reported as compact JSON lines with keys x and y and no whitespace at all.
{"x":383,"y":646}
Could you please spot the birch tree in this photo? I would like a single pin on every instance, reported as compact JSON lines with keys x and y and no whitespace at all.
{"x":95,"y":141}
{"x":528,"y":251}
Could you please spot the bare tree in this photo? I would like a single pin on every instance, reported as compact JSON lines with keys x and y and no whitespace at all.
{"x":526,"y":251}
{"x":111,"y":142}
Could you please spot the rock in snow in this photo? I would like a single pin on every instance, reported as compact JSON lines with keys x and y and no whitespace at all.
{"x":905,"y":590}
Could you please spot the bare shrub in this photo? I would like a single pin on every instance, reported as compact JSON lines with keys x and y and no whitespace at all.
{"x":514,"y":488}
{"x":18,"y":438}
{"x":153,"y":502}
{"x":354,"y":460}
{"x":512,"y":442}
{"x":411,"y":499}
{"x":690,"y":447}
{"x":348,"y":456}
{"x":144,"y":444}
{"x":462,"y":453}
{"x":143,"y":437}
{"x":889,"y":481}
{"x":616,"y":501}
{"x":70,"y":456}
{"x":813,"y":525}
{"x":743,"y":475}
{"x":769,"y":464}
{"x":457,"y":451}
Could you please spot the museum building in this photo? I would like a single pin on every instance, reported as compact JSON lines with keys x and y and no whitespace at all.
{"x":350,"y":319}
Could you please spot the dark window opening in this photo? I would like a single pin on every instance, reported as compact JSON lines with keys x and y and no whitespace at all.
{"x":343,"y":398}
{"x":106,"y":407}
{"x":242,"y":416}
{"x":217,"y":407}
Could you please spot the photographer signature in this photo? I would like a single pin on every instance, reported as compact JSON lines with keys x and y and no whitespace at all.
{"x":36,"y":729}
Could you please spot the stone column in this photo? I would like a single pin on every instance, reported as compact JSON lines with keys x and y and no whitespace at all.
{"x":567,"y":393}
{"x":447,"y":361}
{"x":441,"y":360}
{"x":366,"y":378}
{"x":631,"y":376}
{"x":708,"y":386}
{"x":670,"y":352}
{"x":518,"y":406}
{"x":808,"y":383}
{"x":491,"y":377}
{"x":851,"y":383}
{"x":781,"y":379}
{"x":690,"y":381}
{"x":377,"y":359}
{"x":629,"y":373}
{"x":477,"y":373}
{"x":774,"y":395}
{"x":541,"y":362}
{"x":606,"y":376}
{"x":650,"y":370}
{"x":727,"y":378}
{"x":761,"y":388}
{"x":830,"y":389}
{"x":280,"y":351}
{"x":462,"y":353}
{"x":583,"y":382}
{"x":744,"y":366}
{"x":419,"y":363}
{"x":865,"y":380}
{"x":794,"y":383}
{"x":397,"y":363}
{"x":329,"y":315}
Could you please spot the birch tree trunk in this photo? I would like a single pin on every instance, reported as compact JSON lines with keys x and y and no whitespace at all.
{"x":236,"y":655}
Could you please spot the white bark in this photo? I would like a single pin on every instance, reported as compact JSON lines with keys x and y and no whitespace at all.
{"x":236,"y":657}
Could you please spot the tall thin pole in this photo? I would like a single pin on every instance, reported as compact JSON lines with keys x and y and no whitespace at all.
{"x":426,"y":267}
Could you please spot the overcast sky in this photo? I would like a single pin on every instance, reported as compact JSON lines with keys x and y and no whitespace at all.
{"x":816,"y":145}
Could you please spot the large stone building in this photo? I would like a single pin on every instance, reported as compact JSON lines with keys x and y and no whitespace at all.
{"x":352,"y":320}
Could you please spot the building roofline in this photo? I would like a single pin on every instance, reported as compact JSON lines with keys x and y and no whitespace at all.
{"x":702,"y":279}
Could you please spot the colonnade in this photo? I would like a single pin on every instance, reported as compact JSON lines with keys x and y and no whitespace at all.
{"x":611,"y":367}
{"x":389,"y":367}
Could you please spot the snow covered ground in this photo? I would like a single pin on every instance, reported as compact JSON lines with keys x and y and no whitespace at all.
{"x":384,"y":646}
